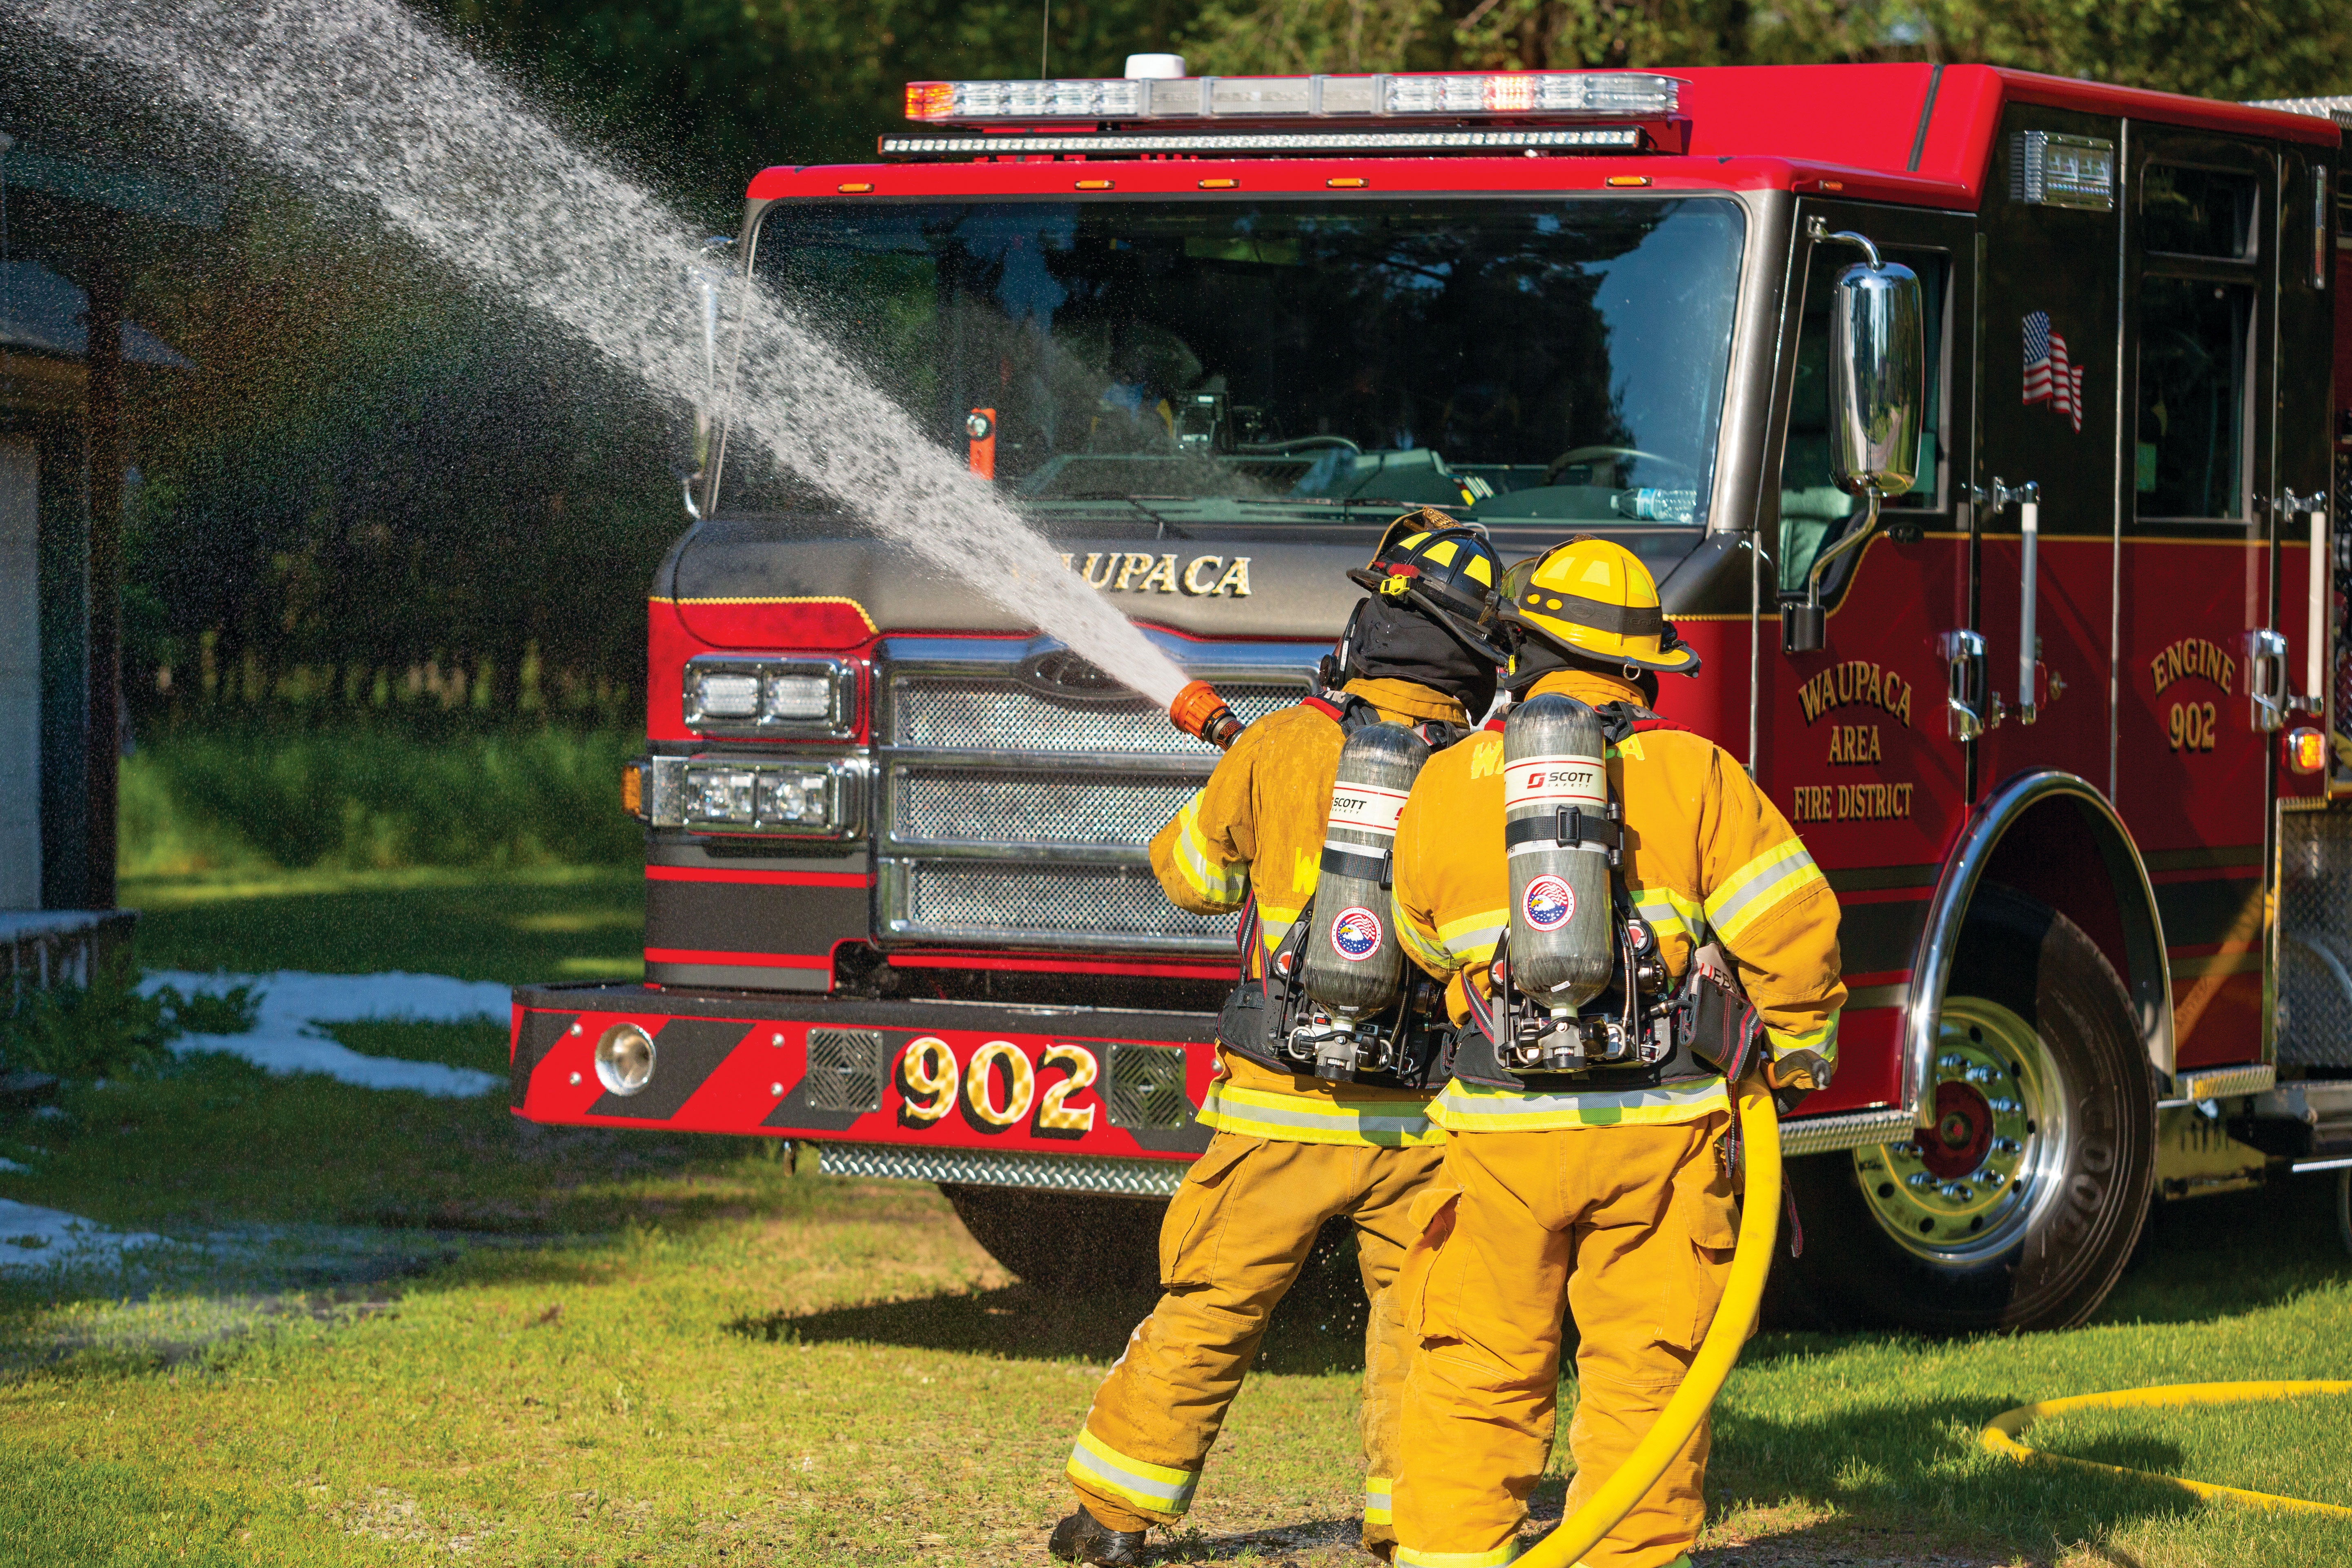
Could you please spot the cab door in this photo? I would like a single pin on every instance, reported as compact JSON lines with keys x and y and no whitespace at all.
{"x":1854,"y":745}
{"x":2048,"y":389}
{"x":2196,"y":572}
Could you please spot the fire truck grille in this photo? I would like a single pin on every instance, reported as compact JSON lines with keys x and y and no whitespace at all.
{"x":1027,"y":906}
{"x":991,"y":837}
{"x":990,"y":805}
{"x":998,"y":715}
{"x":2316,"y":938}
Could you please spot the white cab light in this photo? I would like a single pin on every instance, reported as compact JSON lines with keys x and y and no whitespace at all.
{"x":727,"y":696}
{"x":800,"y":697}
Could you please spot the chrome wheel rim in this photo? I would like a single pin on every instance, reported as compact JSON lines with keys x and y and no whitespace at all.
{"x":1966,"y":1189}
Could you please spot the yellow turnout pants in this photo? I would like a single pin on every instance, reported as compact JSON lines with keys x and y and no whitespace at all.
{"x":1237,"y":1233}
{"x":1632,"y":1227}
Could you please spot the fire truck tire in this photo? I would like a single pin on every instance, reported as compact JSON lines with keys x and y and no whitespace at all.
{"x":2020,"y":1208}
{"x":1065,"y":1241}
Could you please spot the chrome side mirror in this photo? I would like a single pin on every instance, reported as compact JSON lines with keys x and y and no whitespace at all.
{"x":1877,"y":394}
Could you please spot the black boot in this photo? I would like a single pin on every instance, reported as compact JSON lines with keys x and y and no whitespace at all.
{"x":1083,"y":1538}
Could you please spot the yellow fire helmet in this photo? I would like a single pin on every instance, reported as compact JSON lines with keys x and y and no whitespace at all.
{"x":1595,"y":599}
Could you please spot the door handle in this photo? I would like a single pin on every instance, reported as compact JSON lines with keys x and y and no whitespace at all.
{"x":1970,"y":708}
{"x":2027,"y":497}
{"x":2314,"y":699}
{"x":2267,"y":696}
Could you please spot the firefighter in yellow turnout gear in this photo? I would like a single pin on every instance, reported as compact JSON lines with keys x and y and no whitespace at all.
{"x":1289,"y":1151}
{"x":1609,"y":1190}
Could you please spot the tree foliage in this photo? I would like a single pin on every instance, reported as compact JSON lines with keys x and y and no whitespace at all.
{"x":2219,"y":48}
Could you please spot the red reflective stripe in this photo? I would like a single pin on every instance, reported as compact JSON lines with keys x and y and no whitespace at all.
{"x":740,"y":960}
{"x":1059,"y":965}
{"x":775,"y":878}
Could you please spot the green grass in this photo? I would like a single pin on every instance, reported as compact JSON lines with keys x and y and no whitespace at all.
{"x":534,"y":1345}
{"x":550,"y":922}
{"x":374,"y":797}
{"x":2293,"y":1447}
{"x":482,"y":1047}
{"x":612,"y":1347}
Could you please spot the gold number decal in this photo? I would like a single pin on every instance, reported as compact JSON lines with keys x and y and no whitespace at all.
{"x":979,"y":1084}
{"x":1055,"y":1114}
{"x":928,"y":1075}
{"x":2193,"y":726}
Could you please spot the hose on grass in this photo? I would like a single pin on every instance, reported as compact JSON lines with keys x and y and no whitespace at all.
{"x":2000,"y":1435}
{"x":1751,"y":1261}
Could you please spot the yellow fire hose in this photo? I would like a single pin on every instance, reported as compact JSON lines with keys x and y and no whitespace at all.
{"x":1751,"y":1261}
{"x":2001,"y":1436}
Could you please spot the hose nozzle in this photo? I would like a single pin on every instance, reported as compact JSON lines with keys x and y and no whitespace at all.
{"x":1200,"y":712}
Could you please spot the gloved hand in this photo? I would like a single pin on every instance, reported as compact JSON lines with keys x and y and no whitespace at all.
{"x":1794,"y":1075}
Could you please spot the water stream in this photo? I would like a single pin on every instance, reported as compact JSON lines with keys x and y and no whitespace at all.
{"x":364,"y":98}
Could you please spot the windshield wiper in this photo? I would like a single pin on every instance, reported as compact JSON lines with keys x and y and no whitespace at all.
{"x":1164,"y":527}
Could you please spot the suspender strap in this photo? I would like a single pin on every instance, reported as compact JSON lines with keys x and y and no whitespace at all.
{"x":1571,"y":826}
{"x":1348,"y":863}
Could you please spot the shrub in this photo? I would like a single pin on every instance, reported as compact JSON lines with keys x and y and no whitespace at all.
{"x":361,"y":798}
{"x":104,"y":1030}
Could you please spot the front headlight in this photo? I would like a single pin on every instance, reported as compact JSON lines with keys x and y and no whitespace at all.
{"x":798,"y":797}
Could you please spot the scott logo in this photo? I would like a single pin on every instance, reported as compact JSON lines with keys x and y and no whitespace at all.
{"x":1548,"y":904}
{"x":1355,"y":933}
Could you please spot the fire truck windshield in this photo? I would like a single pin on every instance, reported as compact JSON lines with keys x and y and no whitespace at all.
{"x":1555,"y":359}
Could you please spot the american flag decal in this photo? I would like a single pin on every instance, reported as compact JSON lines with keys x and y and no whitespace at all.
{"x":2048,"y":377}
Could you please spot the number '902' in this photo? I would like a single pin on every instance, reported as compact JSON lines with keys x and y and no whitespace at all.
{"x":998,"y":1087}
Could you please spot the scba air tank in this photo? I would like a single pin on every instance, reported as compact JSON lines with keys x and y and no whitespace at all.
{"x":1352,"y":965}
{"x":1560,"y":832}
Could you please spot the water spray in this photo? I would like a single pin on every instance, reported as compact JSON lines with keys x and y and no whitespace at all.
{"x":1201,"y":713}
{"x":361,"y":98}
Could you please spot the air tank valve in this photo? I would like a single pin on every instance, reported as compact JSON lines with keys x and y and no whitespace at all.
{"x":1201,"y":713}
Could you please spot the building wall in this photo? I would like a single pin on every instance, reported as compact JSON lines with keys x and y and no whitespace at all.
{"x":20,"y":674}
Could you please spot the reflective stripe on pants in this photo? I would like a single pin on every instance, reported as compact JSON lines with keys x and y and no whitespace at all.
{"x":1237,"y":1234}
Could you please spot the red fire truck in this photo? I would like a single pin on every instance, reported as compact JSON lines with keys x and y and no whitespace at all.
{"x":1210,"y":334}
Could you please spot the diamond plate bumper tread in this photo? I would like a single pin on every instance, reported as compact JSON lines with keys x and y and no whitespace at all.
{"x":1854,"y":1130}
{"x":2213,"y":1083}
{"x":989,"y":1168}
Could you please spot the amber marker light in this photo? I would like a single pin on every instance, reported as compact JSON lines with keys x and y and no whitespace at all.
{"x":2306,"y":750}
{"x":1346,"y":182}
{"x":1094,"y":184}
{"x":633,"y":790}
{"x":1624,"y":180}
{"x":860,"y":189}
{"x":1219,"y":184}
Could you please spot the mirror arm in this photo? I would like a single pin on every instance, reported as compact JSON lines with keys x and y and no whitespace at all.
{"x":1817,"y":230}
{"x":1851,"y":541}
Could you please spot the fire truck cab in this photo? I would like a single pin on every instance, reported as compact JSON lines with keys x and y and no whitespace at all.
{"x":1210,"y":334}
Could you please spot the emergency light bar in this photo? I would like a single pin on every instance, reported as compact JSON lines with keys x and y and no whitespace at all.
{"x":1613,"y":95}
{"x":1598,"y":139}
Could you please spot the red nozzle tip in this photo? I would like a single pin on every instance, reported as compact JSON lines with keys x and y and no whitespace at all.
{"x":1200,"y":712}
